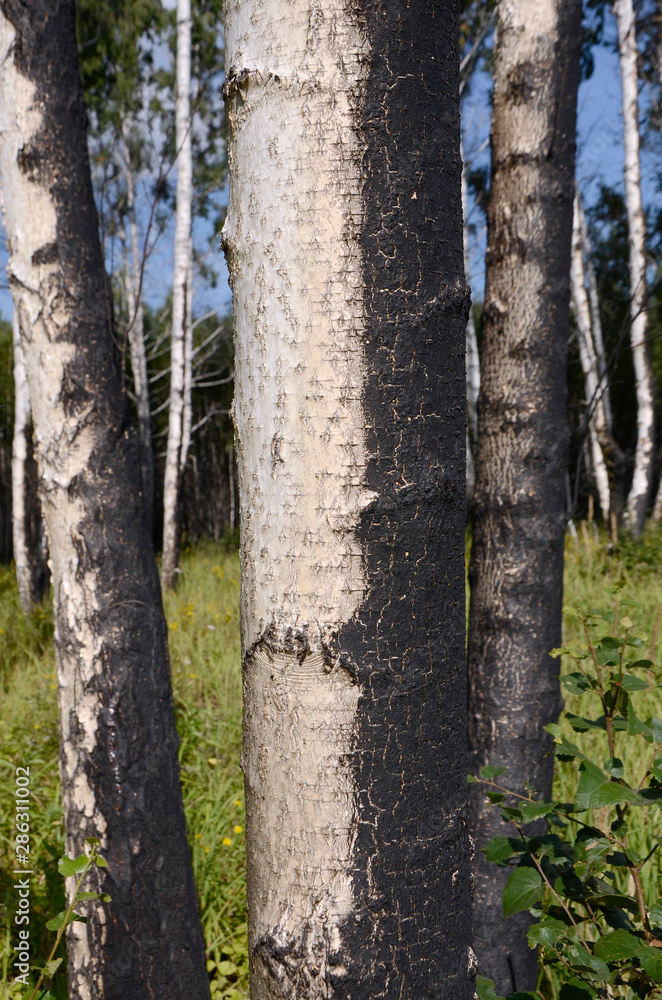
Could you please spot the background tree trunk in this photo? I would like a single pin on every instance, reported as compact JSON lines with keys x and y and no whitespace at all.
{"x":642,"y":480}
{"x":137,"y":344}
{"x":179,"y":422}
{"x":350,"y":410}
{"x":595,"y":412}
{"x":118,"y":760}
{"x":519,"y":509}
{"x":473,"y":358}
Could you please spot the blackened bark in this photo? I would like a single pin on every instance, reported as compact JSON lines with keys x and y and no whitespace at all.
{"x":118,"y":761}
{"x":411,"y":933}
{"x":516,"y":571}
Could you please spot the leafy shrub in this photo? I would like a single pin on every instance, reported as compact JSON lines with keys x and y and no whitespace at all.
{"x":583,"y":880}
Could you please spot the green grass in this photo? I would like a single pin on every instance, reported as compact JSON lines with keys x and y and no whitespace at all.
{"x":205,"y":655}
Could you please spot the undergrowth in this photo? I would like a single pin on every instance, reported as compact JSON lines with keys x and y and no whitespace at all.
{"x":204,"y":639}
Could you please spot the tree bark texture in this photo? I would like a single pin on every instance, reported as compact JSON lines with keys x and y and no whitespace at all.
{"x":596,"y":421}
{"x":118,"y":757}
{"x":642,"y":479}
{"x":25,"y":551}
{"x":516,"y":569}
{"x":344,"y":241}
{"x":181,"y":344}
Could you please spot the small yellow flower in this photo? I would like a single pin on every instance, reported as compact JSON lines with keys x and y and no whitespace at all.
{"x":237,"y":802}
{"x":226,"y":842}
{"x":238,"y":829}
{"x":2,"y":631}
{"x":206,"y":850}
{"x":36,"y":725}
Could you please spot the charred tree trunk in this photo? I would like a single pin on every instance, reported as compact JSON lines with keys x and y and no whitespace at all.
{"x":519,"y":510}
{"x":350,"y":310}
{"x":118,"y":759}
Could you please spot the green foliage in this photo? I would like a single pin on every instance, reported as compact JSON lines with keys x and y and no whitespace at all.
{"x":584,"y":880}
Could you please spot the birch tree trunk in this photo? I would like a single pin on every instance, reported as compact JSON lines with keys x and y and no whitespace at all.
{"x":519,"y":510}
{"x":118,"y":757}
{"x":179,"y":422}
{"x":137,"y":344}
{"x":596,"y":322}
{"x":596,"y":420}
{"x":473,"y":358}
{"x":639,"y":496}
{"x":24,"y":554}
{"x":350,"y":412}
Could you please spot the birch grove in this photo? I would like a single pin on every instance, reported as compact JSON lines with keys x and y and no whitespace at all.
{"x":350,"y":316}
{"x":119,"y":768}
{"x":181,"y":343}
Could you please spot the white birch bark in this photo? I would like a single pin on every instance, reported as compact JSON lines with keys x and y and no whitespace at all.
{"x":23,"y":556}
{"x":179,"y":422}
{"x":637,"y":503}
{"x":296,"y":267}
{"x":137,"y":340}
{"x":596,"y":322}
{"x":593,"y":387}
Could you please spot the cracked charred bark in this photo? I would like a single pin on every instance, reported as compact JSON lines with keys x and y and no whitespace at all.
{"x":344,"y":242}
{"x":118,"y":757}
{"x":519,"y":502}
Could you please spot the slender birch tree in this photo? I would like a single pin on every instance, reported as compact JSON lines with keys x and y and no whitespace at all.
{"x":118,"y":757}
{"x":136,"y":335}
{"x":519,"y":513}
{"x":596,"y":419}
{"x":181,"y":350}
{"x":344,"y":242}
{"x":642,"y":480}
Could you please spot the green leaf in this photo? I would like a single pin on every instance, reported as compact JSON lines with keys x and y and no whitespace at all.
{"x":632,"y":683}
{"x":616,"y":946}
{"x":581,"y":958}
{"x":87,"y":895}
{"x":547,"y":933}
{"x":609,"y":642}
{"x":485,"y":989}
{"x":226,"y":968}
{"x":582,"y":725}
{"x":102,"y":863}
{"x":655,"y":915}
{"x":92,"y":841}
{"x":655,"y":726}
{"x":606,"y":900}
{"x":554,"y":730}
{"x":522,"y":890}
{"x":495,"y":797}
{"x":51,"y":967}
{"x":498,"y":849}
{"x":651,"y":961}
{"x":636,"y":726}
{"x":519,"y":995}
{"x":595,"y":790}
{"x":105,"y":898}
{"x":615,"y":767}
{"x":66,"y":866}
{"x":534,"y":810}
{"x":575,"y":682}
{"x":491,"y":771}
{"x":81,"y":863}
{"x":45,"y":995}
{"x":58,"y":921}
{"x":643,"y":665}
{"x":575,"y":991}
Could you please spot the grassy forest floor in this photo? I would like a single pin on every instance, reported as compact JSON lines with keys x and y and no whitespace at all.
{"x":203,"y":625}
